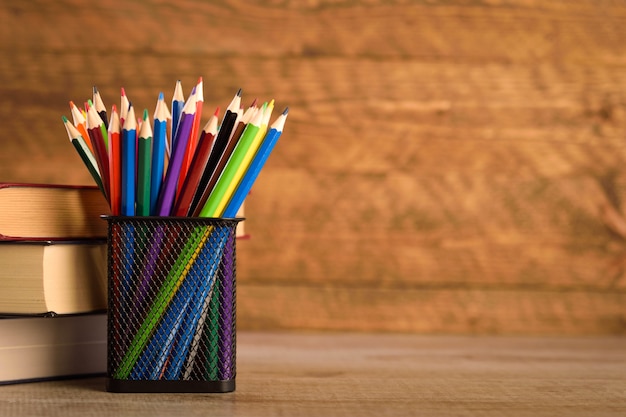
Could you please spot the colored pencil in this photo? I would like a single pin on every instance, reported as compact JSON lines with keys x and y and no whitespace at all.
{"x":267,"y":114}
{"x":115,"y":174}
{"x":221,"y":151}
{"x":161,"y":115}
{"x":178,"y":102}
{"x":270,"y":140}
{"x":225,"y":317}
{"x":200,"y":285}
{"x":94,"y":129}
{"x":243,"y":120}
{"x":144,"y":166}
{"x":235,"y":136}
{"x":80,"y":123}
{"x":250,"y":152}
{"x":197,"y":167}
{"x":192,"y":142}
{"x":124,"y":107}
{"x":129,"y":155}
{"x":100,"y":107}
{"x":85,"y":154}
{"x":216,"y":203}
{"x":167,"y":195}
{"x":176,"y":276}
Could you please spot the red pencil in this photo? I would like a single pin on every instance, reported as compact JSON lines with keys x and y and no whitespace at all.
{"x":124,"y":106}
{"x":197,"y":166}
{"x":192,"y":143}
{"x":94,"y":129}
{"x":115,"y":170}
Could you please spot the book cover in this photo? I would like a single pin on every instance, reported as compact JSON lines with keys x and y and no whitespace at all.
{"x":51,"y":212}
{"x":64,"y":277}
{"x":42,"y":348}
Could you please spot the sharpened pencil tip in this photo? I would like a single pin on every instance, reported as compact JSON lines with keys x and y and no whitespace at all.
{"x":145,"y":114}
{"x":238,"y":93}
{"x":217,"y":111}
{"x":286,"y":111}
{"x":161,"y":96}
{"x":64,"y":119}
{"x":95,"y":89}
{"x":123,"y":91}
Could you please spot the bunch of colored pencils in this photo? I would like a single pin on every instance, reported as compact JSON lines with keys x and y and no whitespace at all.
{"x":168,"y":166}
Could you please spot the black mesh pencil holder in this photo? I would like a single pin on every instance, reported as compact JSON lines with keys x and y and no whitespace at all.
{"x":171,"y":304}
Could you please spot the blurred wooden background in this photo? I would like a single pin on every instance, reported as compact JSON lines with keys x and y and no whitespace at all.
{"x":447,"y":166}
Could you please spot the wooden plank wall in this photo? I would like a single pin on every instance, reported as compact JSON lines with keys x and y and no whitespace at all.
{"x":448,"y":166}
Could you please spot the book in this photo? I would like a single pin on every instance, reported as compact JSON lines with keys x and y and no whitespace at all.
{"x":51,"y":212}
{"x":43,"y":348}
{"x":64,"y":277}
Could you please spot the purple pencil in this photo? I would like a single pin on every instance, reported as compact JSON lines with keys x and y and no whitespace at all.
{"x":167,"y":194}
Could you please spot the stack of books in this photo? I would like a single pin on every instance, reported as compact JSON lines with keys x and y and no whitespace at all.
{"x":53,"y":281}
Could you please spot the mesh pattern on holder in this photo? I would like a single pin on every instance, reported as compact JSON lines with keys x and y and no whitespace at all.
{"x":171,"y":301}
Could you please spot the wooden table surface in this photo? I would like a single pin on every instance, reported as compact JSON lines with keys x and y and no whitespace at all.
{"x":355,"y":374}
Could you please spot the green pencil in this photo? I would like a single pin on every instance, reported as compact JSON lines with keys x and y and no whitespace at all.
{"x":144,"y":166}
{"x":218,"y":199}
{"x":85,"y":154}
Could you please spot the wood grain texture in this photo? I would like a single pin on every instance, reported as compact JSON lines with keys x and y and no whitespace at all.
{"x":339,"y":374}
{"x":441,"y":159}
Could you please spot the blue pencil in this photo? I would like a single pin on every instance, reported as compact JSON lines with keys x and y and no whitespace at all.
{"x":129,"y":158}
{"x":178,"y":102}
{"x":161,"y":114}
{"x":204,"y":273}
{"x":183,"y":312}
{"x":256,"y":165}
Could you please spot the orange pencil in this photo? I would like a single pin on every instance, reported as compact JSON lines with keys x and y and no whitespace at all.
{"x":80,"y":124}
{"x":83,"y":150}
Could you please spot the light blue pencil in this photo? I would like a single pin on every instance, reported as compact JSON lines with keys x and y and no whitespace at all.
{"x":161,"y":114}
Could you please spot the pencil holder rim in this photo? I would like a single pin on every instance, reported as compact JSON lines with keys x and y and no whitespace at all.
{"x":109,"y":217}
